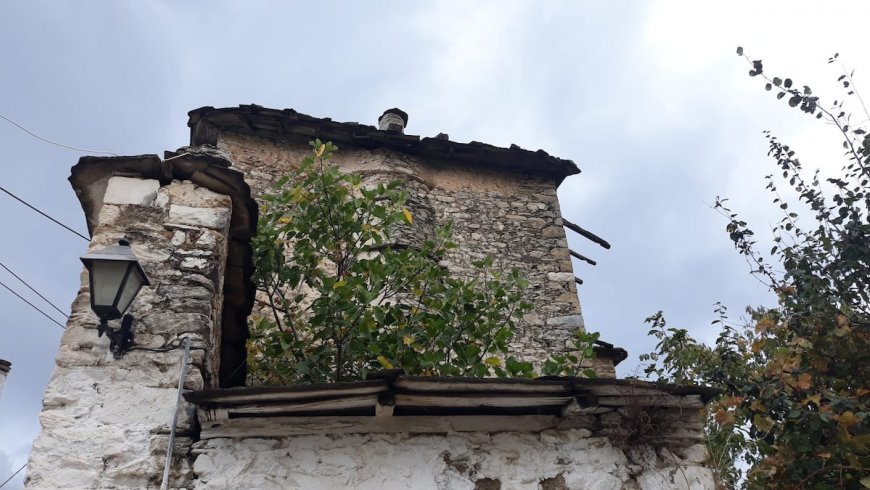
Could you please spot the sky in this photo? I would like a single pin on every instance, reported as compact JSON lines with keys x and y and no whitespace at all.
{"x":647,"y":97}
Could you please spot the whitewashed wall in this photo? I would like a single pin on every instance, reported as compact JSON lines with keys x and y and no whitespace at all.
{"x":549,"y":460}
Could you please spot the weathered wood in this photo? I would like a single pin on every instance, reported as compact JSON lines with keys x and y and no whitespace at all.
{"x":203,"y":414}
{"x":625,"y":391}
{"x":296,"y":426}
{"x":480,"y":401}
{"x":482,"y":385}
{"x":385,"y":406}
{"x":266,"y":394}
{"x":582,"y":257}
{"x":585,"y":233}
{"x":691,"y":401}
{"x":309,"y":406}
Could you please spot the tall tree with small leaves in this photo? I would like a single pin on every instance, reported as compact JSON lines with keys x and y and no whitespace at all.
{"x":344,"y":297}
{"x":796,"y":403}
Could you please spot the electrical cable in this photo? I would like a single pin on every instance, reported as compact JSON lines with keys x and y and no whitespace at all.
{"x":31,"y":133}
{"x":13,"y":476}
{"x":32,"y":305}
{"x":22,"y":201}
{"x":35,"y":291}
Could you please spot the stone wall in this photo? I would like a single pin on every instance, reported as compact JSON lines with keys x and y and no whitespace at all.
{"x":510,"y":215}
{"x":549,"y":460}
{"x":105,"y":421}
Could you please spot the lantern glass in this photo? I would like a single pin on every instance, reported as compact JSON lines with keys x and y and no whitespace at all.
{"x":129,"y":288}
{"x":106,"y":279}
{"x":115,"y":278}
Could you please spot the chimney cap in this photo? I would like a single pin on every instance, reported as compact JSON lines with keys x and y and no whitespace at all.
{"x":396,"y":111}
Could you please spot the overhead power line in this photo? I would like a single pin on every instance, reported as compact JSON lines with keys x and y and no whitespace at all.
{"x":13,"y":475}
{"x":35,"y":291}
{"x":22,"y":201}
{"x":32,"y":305}
{"x":31,"y":133}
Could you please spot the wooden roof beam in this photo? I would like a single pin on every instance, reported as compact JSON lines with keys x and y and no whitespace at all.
{"x":585,"y":233}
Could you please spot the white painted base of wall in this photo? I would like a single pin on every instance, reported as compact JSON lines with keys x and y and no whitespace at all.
{"x":550,"y":460}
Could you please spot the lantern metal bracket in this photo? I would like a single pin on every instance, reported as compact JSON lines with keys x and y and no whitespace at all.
{"x":120,"y":339}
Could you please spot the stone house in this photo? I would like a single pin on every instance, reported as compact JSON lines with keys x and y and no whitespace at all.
{"x":190,"y":217}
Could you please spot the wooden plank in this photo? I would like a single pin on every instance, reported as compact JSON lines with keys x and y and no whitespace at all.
{"x":482,"y":385}
{"x":618,"y":390}
{"x":305,"y":406}
{"x":691,"y":401}
{"x":244,"y":396}
{"x":479,"y":401}
{"x":296,"y":426}
{"x":211,"y":413}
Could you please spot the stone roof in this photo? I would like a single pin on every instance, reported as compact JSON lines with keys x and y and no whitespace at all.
{"x":206,"y":124}
{"x":210,"y":169}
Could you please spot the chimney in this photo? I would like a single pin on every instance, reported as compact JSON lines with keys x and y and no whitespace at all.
{"x":4,"y":371}
{"x":393,"y":120}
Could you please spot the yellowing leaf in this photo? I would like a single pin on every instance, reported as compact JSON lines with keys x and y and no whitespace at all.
{"x":757,"y":345}
{"x":283,"y":220}
{"x":385,"y":362}
{"x":817,"y":399}
{"x":763,"y":424}
{"x":492,"y":361}
{"x":724,"y":417}
{"x":848,"y":419}
{"x":763,"y":324}
{"x":408,"y":218}
{"x":319,"y":151}
{"x":338,"y":284}
{"x":804,"y":381}
{"x":407,"y":340}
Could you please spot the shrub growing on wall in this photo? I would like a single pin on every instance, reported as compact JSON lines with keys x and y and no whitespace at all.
{"x":344,"y":297}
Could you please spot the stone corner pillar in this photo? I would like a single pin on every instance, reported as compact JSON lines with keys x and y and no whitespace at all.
{"x":105,"y":421}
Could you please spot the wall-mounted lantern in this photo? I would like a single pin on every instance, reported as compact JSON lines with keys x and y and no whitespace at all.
{"x":115,"y":278}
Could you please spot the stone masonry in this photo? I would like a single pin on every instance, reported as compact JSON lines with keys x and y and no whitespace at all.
{"x":105,"y":421}
{"x":511,"y":216}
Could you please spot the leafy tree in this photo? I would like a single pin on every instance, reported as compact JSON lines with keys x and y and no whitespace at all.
{"x":345,"y":296}
{"x":795,"y":404}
